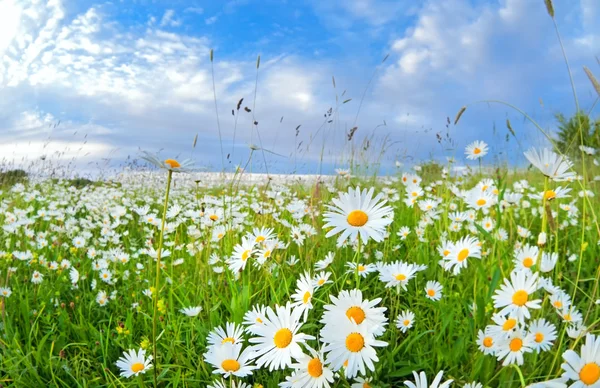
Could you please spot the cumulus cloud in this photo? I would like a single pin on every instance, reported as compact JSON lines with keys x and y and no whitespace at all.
{"x":150,"y":85}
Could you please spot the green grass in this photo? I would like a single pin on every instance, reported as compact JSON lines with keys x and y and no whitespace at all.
{"x":59,"y":336}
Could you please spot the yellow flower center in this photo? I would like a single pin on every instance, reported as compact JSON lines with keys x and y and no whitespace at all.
{"x":259,"y":320}
{"x":230,"y":365}
{"x":245,"y":255}
{"x":400,"y":277}
{"x":137,"y":367}
{"x":446,"y":252}
{"x":366,"y":385}
{"x":355,"y":342}
{"x":477,"y":151}
{"x":520,"y":298}
{"x":228,"y":339}
{"x":516,"y":344}
{"x":282,"y":338}
{"x":509,"y":324}
{"x":488,"y":342}
{"x":306,"y":298}
{"x":356,"y":313}
{"x":267,"y":254}
{"x":315,"y":367}
{"x":357,"y":218}
{"x":406,"y":322}
{"x":361,"y":268}
{"x":539,"y":337}
{"x":549,"y":195}
{"x":172,"y":163}
{"x":462,"y":255}
{"x":321,"y":282}
{"x":558,"y":304}
{"x":213,"y":217}
{"x":220,"y":236}
{"x":481,"y":202}
{"x":567,"y":317}
{"x":590,"y":373}
{"x":431,"y":292}
{"x":260,"y":239}
{"x":527,"y":262}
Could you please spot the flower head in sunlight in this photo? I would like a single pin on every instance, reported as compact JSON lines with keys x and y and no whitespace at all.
{"x":132,"y":363}
{"x":173,"y":165}
{"x":476,"y":150}
{"x":552,"y":165}
{"x":358,"y":213}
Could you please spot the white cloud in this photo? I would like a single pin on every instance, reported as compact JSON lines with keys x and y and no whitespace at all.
{"x":130,"y":86}
{"x":196,"y":10}
{"x":211,"y":20}
{"x":168,"y":19}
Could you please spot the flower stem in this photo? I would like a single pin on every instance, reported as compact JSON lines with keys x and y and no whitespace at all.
{"x":157,"y":279}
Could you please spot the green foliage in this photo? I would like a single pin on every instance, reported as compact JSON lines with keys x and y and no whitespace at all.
{"x":11,"y":177}
{"x":572,"y":129}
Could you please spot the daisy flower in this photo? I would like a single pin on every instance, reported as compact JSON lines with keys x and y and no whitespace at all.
{"x":102,"y":298}
{"x":549,"y":260}
{"x":168,"y":164}
{"x":462,"y":250}
{"x":357,"y":213}
{"x":405,"y":320}
{"x":514,"y":295}
{"x":363,"y":269}
{"x":262,"y":234}
{"x":132,"y":363}
{"x":191,"y":311}
{"x":583,"y":368}
{"x":421,"y":381}
{"x":403,"y":232}
{"x":476,"y":150}
{"x":303,"y":296}
{"x":350,"y":304}
{"x":321,"y":279}
{"x":5,"y":292}
{"x":324,"y":263}
{"x":227,"y":360}
{"x":310,"y":371}
{"x":504,"y":326}
{"x":398,"y":273}
{"x":229,"y":384}
{"x":550,"y":164}
{"x":544,"y":334}
{"x":570,"y":315}
{"x":526,"y":257}
{"x":511,"y":349}
{"x":37,"y":277}
{"x":478,"y":200}
{"x":361,"y":382}
{"x":552,"y":194}
{"x":241,"y":253}
{"x":278,"y":340}
{"x":255,"y":318}
{"x":433,"y":290}
{"x":349,"y":345}
{"x":486,"y":343}
{"x":560,"y":300}
{"x":233,"y":334}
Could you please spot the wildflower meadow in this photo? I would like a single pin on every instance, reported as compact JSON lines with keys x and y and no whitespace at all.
{"x":167,"y":275}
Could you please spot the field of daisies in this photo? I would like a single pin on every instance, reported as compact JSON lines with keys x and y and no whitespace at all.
{"x":481,"y":279}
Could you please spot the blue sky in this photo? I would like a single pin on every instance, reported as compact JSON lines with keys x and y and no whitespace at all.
{"x":98,"y":81}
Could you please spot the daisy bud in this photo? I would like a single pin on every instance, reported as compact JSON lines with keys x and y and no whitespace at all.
{"x":542,"y":239}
